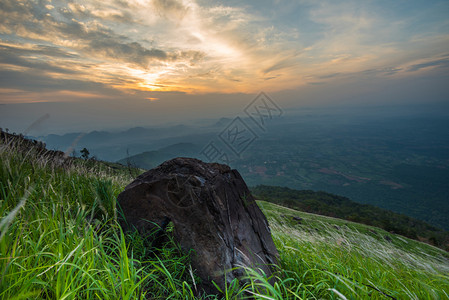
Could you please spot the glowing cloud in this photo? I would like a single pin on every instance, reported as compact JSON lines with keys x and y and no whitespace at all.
{"x":89,"y":47}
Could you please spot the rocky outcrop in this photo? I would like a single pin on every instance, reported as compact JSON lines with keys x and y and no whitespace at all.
{"x":212,"y":211}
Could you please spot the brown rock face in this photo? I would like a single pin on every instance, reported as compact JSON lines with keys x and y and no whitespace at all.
{"x":212,"y":211}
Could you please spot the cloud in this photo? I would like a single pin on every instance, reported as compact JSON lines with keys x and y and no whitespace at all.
{"x":129,"y":52}
{"x":202,"y":47}
{"x":327,"y":76}
{"x":29,"y":58}
{"x":283,"y":63}
{"x":35,"y":81}
{"x":172,"y":9}
{"x":84,"y":36}
{"x":444,"y":62}
{"x":31,"y":49}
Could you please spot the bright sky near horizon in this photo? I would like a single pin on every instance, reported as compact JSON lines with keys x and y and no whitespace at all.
{"x":92,"y":50}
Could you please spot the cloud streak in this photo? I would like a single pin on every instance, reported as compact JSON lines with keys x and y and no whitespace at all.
{"x":196,"y":47}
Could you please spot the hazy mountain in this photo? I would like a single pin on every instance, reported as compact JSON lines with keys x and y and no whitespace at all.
{"x":150,"y":159}
{"x":114,"y":146}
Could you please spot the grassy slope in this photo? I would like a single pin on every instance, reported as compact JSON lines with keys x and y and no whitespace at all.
{"x":60,"y":240}
{"x":323,"y":203}
{"x":365,"y":261}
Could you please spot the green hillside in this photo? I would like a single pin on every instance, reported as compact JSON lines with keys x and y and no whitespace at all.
{"x":60,"y":240}
{"x":327,"y":204}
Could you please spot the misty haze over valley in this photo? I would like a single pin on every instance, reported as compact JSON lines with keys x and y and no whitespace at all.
{"x":392,"y":157}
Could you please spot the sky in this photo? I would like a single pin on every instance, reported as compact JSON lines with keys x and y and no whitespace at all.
{"x":68,"y":65}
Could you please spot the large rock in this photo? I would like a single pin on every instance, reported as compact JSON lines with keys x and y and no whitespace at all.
{"x":212,"y":211}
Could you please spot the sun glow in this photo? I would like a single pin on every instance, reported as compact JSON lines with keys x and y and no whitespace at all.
{"x":196,"y":47}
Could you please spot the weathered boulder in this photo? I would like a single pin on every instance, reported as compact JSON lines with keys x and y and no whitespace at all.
{"x":212,"y":211}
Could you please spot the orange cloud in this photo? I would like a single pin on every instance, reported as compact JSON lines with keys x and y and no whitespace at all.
{"x":180,"y":45}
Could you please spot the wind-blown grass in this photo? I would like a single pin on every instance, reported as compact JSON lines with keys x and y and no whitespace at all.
{"x":60,"y":240}
{"x":325,"y":255}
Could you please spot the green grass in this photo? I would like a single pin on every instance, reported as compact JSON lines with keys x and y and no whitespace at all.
{"x":60,"y":240}
{"x":360,"y":262}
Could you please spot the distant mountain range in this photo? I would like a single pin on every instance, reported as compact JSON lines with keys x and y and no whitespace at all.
{"x":396,"y":162}
{"x":113,"y":146}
